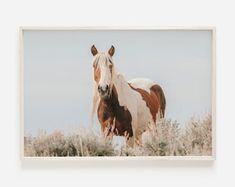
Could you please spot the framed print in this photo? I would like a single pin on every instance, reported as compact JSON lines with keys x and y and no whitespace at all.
{"x":117,"y":93}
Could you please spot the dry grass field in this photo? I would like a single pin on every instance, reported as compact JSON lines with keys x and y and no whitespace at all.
{"x":168,"y":138}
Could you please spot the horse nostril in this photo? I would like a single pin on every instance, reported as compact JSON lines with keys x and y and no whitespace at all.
{"x":103,"y":89}
{"x":99,"y":88}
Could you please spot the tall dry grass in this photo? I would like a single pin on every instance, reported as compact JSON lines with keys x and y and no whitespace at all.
{"x":167,"y":138}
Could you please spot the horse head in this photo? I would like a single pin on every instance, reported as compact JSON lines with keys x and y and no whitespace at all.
{"x":103,"y":71}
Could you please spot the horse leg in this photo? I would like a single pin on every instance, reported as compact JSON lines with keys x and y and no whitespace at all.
{"x":134,"y":125}
{"x":138,"y":139}
{"x":108,"y":129}
{"x":130,"y":142}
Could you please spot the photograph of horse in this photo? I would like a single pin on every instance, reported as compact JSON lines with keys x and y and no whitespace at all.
{"x":124,"y":108}
{"x":117,"y":93}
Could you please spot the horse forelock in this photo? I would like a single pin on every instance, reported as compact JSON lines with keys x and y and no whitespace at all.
{"x":102,"y":57}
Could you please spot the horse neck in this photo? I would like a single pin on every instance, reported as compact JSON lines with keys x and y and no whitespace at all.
{"x":123,"y":89}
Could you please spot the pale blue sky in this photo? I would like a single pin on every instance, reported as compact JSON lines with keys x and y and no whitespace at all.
{"x":58,"y":79}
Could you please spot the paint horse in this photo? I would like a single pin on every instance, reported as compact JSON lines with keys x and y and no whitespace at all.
{"x":124,"y":108}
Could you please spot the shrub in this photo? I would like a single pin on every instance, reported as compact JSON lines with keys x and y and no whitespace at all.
{"x":167,"y":138}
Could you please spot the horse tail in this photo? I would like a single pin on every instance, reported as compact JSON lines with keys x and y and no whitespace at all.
{"x":161,"y":96}
{"x":163,"y":103}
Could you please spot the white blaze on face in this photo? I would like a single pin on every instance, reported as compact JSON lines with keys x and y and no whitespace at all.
{"x":104,"y":65}
{"x":141,"y":115}
{"x":105,"y":78}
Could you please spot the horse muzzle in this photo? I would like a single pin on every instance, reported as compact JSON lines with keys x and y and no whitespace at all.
{"x":104,"y":92}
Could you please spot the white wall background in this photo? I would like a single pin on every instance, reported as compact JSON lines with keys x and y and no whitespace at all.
{"x":119,"y":13}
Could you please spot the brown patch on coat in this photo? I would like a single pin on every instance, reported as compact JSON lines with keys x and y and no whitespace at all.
{"x":114,"y":117}
{"x":155,"y":100}
{"x":97,"y":74}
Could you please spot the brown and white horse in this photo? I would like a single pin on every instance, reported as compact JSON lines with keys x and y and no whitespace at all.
{"x":124,"y":108}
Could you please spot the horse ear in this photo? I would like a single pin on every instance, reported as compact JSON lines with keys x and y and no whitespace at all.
{"x":111,"y":51}
{"x":94,"y":51}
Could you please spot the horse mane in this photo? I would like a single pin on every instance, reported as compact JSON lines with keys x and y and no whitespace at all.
{"x":95,"y":101}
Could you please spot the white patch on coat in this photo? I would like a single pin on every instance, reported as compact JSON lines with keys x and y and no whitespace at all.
{"x":127,"y":97}
{"x":142,"y":83}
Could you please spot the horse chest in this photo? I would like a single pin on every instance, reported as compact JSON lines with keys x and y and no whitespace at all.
{"x":111,"y":113}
